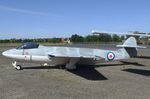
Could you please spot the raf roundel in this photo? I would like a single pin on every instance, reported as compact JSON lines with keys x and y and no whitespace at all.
{"x":110,"y":56}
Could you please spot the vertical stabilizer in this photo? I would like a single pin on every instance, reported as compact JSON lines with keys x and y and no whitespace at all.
{"x":130,"y":46}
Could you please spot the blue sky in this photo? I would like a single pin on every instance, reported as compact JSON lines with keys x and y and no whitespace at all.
{"x":62,"y":18}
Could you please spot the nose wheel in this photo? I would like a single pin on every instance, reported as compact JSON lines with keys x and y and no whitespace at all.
{"x":17,"y":67}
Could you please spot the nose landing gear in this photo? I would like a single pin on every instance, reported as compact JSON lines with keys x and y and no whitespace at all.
{"x":17,"y":67}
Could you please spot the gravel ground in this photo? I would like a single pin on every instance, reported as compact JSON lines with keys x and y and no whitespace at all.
{"x":116,"y":80}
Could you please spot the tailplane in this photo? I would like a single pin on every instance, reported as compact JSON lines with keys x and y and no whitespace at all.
{"x":130,"y":45}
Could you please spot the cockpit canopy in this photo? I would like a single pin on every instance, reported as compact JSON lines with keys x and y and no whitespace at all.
{"x":28,"y":45}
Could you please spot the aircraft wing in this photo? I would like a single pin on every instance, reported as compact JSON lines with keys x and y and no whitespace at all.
{"x":74,"y":53}
{"x":75,"y":56}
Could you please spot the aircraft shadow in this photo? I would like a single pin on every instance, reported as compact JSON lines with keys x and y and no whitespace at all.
{"x":42,"y":67}
{"x":120,"y":64}
{"x":144,"y":57}
{"x":131,"y":63}
{"x":138,"y":71}
{"x":87,"y":72}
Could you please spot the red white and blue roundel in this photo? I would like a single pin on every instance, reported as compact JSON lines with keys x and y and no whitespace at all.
{"x":110,"y":56}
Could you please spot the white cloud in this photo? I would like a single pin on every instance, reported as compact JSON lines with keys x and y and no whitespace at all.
{"x":21,"y":10}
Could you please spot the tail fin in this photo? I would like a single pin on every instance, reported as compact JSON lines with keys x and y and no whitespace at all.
{"x":130,"y":45}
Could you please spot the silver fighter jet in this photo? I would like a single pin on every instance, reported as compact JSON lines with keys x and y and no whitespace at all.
{"x":70,"y":56}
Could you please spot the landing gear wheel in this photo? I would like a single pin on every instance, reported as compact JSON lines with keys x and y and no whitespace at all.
{"x":18,"y":67}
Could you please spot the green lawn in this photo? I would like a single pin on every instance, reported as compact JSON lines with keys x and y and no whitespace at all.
{"x":17,"y":44}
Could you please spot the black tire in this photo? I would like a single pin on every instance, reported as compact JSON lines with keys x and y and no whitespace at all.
{"x":18,"y":67}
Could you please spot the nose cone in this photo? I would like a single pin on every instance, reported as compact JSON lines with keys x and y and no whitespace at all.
{"x":9,"y":53}
{"x":5,"y":53}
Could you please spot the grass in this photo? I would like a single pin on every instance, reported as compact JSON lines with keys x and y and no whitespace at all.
{"x":18,"y":44}
{"x":9,"y":44}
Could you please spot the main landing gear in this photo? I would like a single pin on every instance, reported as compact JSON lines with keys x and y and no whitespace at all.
{"x":17,"y":67}
{"x":72,"y":64}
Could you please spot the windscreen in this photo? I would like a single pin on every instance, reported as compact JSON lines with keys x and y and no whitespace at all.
{"x":28,"y":45}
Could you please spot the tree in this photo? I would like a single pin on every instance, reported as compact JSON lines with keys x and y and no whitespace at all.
{"x":77,"y":38}
{"x":115,"y":38}
{"x":92,"y":38}
{"x":104,"y":37}
{"x":122,"y":37}
{"x":55,"y":40}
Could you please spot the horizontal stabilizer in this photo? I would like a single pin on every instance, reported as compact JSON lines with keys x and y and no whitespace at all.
{"x":130,"y":46}
{"x":130,"y":43}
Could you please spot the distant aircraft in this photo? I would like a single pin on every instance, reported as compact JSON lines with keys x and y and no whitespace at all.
{"x":70,"y":56}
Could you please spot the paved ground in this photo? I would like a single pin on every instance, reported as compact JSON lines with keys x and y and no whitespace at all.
{"x":107,"y":81}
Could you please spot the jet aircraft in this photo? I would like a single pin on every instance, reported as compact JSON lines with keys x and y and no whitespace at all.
{"x":70,"y":56}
